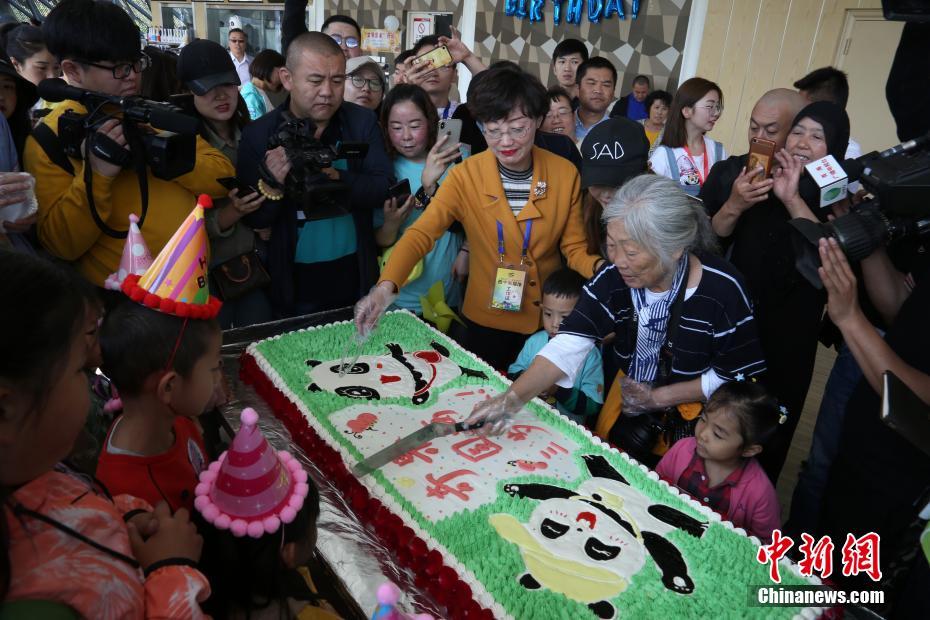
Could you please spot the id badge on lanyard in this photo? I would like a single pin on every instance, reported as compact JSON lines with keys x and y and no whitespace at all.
{"x":510,"y":280}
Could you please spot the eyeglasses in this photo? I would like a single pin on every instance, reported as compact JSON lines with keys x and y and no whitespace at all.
{"x":714,"y":108}
{"x":558,"y":114}
{"x":122,"y":70}
{"x":359,"y":82}
{"x":349,"y":41}
{"x":493,"y":135}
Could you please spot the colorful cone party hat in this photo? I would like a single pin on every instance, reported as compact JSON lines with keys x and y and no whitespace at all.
{"x":176,"y":283}
{"x":136,"y":256}
{"x":251,"y":489}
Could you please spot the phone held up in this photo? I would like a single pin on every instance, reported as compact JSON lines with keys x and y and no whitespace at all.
{"x":439,"y":55}
{"x":400,"y":191}
{"x":453,"y":128}
{"x":231,"y":183}
{"x":761,"y":153}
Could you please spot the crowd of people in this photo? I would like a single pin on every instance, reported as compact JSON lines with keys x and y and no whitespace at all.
{"x":606,"y":253}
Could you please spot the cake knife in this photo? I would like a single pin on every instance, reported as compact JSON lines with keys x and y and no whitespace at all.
{"x":404,"y":445}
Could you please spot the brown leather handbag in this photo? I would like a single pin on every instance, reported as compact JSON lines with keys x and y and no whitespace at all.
{"x":240,"y":275}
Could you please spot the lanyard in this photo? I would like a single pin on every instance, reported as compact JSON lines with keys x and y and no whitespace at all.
{"x":526,"y":240}
{"x":445,"y":111}
{"x":706,"y":157}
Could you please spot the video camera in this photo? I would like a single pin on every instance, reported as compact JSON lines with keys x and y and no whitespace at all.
{"x":899,"y":181}
{"x":318,"y":195}
{"x":170,"y":146}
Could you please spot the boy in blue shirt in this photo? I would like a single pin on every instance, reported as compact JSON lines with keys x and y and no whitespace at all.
{"x":582,"y":402}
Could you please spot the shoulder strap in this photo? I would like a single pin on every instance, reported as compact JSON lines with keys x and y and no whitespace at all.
{"x":718,"y":151}
{"x":50,"y":143}
{"x":672,"y":164}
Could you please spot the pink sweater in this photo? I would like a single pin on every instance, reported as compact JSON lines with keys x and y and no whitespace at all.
{"x":753,"y":502}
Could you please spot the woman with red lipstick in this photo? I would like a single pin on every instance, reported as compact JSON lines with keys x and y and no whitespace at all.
{"x":685,"y":154}
{"x":207,"y":70}
{"x":520,"y":207}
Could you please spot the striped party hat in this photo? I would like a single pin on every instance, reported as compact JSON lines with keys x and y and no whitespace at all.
{"x":251,"y":489}
{"x":176,"y":282}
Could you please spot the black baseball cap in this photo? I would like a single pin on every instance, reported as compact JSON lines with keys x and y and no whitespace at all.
{"x":204,"y":65}
{"x":613,"y":151}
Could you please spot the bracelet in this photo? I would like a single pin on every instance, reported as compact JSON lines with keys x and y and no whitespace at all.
{"x":268,"y":192}
{"x":420,"y":199}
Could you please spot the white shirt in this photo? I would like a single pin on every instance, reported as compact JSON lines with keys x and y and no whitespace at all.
{"x":690,"y":167}
{"x":568,"y":352}
{"x":242,"y":68}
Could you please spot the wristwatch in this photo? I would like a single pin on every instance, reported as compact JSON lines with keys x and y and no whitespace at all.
{"x":421,"y":199}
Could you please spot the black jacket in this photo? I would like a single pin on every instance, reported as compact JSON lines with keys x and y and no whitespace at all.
{"x":368,"y":179}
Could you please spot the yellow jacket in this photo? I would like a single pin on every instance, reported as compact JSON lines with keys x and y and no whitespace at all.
{"x":474,"y":195}
{"x":66,"y":227}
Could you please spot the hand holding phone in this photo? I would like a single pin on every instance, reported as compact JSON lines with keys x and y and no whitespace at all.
{"x":439,"y":56}
{"x":761,"y":153}
{"x":400,"y":190}
{"x":231,"y":183}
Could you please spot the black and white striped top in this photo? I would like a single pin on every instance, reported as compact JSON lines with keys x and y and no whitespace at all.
{"x":516,"y":186}
{"x":717,"y":331}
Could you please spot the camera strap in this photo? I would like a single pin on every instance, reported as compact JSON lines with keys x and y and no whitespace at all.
{"x":137,"y":147}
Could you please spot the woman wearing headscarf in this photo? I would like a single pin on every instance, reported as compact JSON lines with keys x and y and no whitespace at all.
{"x":788,"y":308}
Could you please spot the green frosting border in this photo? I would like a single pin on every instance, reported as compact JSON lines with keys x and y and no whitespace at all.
{"x":723,"y":586}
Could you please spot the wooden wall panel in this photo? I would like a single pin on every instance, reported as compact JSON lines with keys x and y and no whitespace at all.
{"x":750,"y":46}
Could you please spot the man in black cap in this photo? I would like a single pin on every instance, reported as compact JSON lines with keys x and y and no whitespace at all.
{"x":318,"y":260}
{"x":614,"y":151}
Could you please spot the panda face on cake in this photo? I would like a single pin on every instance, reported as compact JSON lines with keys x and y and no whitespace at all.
{"x":589,"y":544}
{"x":401,"y":374}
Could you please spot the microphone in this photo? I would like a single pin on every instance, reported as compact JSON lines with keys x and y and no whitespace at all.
{"x":830,"y":178}
{"x":56,"y":89}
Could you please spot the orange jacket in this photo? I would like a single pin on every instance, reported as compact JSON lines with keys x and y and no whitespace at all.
{"x":474,"y":195}
{"x":48,"y":564}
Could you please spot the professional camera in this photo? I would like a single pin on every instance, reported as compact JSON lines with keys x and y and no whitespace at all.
{"x":898,"y":180}
{"x":318,"y":195}
{"x":166,"y":136}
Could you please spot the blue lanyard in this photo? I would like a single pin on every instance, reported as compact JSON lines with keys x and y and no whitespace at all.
{"x":445,"y":111}
{"x":526,"y":240}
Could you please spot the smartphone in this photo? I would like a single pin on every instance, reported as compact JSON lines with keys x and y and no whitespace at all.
{"x":400,"y":191}
{"x":452,"y":127}
{"x":231,"y":183}
{"x":761,"y":152}
{"x":440,"y":57}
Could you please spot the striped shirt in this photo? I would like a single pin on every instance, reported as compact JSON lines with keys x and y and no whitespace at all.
{"x":516,"y":186}
{"x":716,"y":330}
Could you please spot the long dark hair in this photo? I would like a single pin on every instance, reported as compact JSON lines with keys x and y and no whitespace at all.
{"x":47,"y":298}
{"x":688,"y":94}
{"x":248,"y":573}
{"x":418,"y":97}
{"x":592,"y":214}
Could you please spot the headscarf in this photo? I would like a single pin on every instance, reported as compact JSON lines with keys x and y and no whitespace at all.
{"x":835,"y":124}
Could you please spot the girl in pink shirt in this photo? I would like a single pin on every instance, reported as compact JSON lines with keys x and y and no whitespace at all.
{"x":63,"y":541}
{"x":718,"y":467}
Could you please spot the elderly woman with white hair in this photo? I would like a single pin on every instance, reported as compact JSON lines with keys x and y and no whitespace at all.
{"x":679,"y":316}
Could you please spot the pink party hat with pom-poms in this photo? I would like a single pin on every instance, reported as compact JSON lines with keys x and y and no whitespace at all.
{"x":136,"y":256}
{"x":251,"y":489}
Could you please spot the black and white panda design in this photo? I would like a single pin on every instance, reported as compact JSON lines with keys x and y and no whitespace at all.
{"x":398,"y":375}
{"x":589,"y":543}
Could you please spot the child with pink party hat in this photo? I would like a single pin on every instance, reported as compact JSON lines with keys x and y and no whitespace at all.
{"x":162,"y":352}
{"x":260,"y":511}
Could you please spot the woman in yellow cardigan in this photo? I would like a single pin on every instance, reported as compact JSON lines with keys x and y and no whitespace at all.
{"x":521,"y":210}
